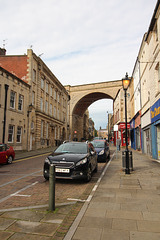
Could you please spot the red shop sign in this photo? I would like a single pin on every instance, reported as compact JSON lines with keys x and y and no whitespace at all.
{"x":123,"y":126}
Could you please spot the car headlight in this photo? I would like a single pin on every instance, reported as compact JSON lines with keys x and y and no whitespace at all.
{"x":101,"y":152}
{"x":47,"y":161}
{"x":83,"y":161}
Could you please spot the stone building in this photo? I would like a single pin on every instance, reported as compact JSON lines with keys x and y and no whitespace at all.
{"x":14,"y":114}
{"x":119,"y":116}
{"x":47,"y":99}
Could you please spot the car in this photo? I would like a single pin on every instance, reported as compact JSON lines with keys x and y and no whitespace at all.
{"x":72,"y":160}
{"x":102,"y":149}
{"x":7,"y":153}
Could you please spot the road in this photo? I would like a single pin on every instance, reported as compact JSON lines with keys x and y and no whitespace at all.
{"x":22,"y":184}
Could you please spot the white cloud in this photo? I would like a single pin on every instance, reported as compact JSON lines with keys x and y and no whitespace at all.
{"x":83,"y":41}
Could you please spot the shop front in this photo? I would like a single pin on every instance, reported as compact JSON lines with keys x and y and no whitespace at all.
{"x":122,"y":133}
{"x":132,"y":134}
{"x":138,"y":130}
{"x":155,"y":129}
{"x":146,"y":133}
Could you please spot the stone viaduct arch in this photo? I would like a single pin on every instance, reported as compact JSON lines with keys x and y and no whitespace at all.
{"x":82,"y":96}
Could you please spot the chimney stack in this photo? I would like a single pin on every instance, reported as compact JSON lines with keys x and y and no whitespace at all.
{"x":2,"y":51}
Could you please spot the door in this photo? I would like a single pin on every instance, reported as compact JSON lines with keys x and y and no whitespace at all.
{"x":158,"y":141}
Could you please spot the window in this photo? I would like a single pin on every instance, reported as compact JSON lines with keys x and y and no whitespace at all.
{"x":157,"y":76}
{"x":58,"y":98}
{"x":58,"y":115}
{"x":42,"y":83}
{"x":41,"y":104}
{"x":46,"y":107}
{"x":10,"y":133}
{"x":34,"y":75}
{"x":42,"y":128}
{"x":47,"y":130}
{"x":55,"y":94}
{"x":47,"y":86}
{"x":54,"y":112}
{"x":12,"y":99}
{"x":51,"y":91}
{"x":33,"y":98}
{"x":20,"y":102}
{"x":19,"y":134}
{"x":50,"y":109}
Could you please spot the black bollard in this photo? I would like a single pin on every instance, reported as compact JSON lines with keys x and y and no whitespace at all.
{"x":52,"y":188}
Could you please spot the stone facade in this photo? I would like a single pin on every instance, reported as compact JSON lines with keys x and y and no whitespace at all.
{"x":16,"y":127}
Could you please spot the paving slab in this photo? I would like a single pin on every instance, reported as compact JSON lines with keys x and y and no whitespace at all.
{"x":5,"y":235}
{"x":24,"y":236}
{"x":27,"y":215}
{"x":149,"y":226}
{"x":5,"y":223}
{"x":123,"y":224}
{"x":34,"y":227}
{"x":87,"y":233}
{"x":132,"y":215}
{"x":144,"y":236}
{"x":110,"y":234}
{"x":96,"y":222}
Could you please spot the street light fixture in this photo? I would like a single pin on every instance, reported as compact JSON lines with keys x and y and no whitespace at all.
{"x":125,"y":83}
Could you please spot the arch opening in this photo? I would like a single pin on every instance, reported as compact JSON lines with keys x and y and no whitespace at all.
{"x":82,"y":105}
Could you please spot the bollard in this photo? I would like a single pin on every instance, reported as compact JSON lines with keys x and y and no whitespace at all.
{"x":52,"y":188}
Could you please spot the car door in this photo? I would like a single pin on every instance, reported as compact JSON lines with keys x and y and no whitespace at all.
{"x":2,"y":154}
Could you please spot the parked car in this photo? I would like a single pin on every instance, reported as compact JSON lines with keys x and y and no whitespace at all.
{"x":102,"y":149}
{"x":7,"y":153}
{"x":72,"y":160}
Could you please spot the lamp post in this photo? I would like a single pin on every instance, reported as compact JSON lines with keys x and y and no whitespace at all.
{"x":125,"y":83}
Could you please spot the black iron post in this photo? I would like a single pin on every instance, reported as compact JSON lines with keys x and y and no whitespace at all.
{"x":5,"y":108}
{"x":127,"y":170}
{"x":52,"y":187}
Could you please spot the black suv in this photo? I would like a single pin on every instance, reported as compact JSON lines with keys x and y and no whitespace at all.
{"x":72,"y":160}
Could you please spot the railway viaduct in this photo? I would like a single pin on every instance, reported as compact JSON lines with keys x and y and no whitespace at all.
{"x":82,"y":96}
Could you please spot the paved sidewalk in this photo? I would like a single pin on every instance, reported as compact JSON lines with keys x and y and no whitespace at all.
{"x":120,"y":207}
{"x":123,"y":207}
{"x":25,"y":154}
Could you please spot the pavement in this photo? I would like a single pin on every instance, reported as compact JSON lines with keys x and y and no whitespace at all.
{"x":120,"y":207}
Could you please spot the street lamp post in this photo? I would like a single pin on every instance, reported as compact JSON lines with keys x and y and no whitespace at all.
{"x":125,"y":83}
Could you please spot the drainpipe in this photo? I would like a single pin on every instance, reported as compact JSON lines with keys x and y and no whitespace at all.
{"x":5,"y":107}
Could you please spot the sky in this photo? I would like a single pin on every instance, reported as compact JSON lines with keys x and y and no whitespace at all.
{"x":81,"y":41}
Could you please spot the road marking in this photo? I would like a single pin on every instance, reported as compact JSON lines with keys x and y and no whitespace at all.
{"x":14,"y":194}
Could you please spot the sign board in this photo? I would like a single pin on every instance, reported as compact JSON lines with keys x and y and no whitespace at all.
{"x":115,"y":128}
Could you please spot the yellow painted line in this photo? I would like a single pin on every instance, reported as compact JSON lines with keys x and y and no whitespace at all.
{"x":24,"y":159}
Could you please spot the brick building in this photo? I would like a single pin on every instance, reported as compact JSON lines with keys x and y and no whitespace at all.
{"x":47,"y":99}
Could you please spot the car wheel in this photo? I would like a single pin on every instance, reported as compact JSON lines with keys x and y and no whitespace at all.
{"x":9,"y":160}
{"x":89,"y":174}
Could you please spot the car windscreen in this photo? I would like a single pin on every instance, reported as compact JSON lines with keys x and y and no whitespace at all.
{"x":72,"y":148}
{"x":98,"y":144}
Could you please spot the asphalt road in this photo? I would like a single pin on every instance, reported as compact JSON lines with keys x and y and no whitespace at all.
{"x":22,"y":184}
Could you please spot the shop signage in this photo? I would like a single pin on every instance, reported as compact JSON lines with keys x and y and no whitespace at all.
{"x":123,"y":126}
{"x":155,"y":111}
